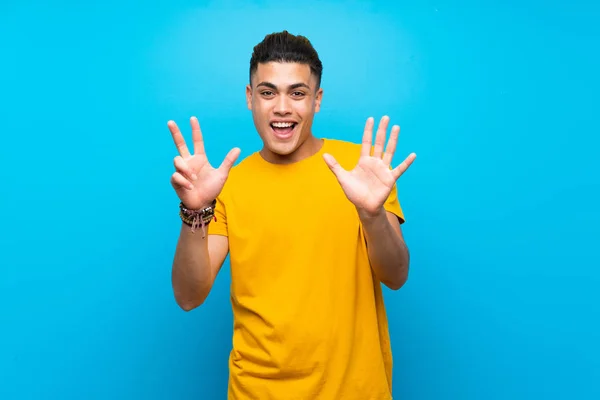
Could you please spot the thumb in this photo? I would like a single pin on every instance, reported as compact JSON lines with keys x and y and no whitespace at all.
{"x":333,"y":165}
{"x":230,"y":159}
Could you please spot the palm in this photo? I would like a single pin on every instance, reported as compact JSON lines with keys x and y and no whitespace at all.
{"x":206,"y":187}
{"x":209,"y":181}
{"x":371,"y":181}
{"x":368,"y":184}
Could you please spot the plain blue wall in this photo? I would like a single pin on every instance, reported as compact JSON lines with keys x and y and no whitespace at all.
{"x":499,"y":101}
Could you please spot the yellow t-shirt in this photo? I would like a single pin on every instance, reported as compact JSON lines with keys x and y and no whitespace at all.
{"x":309,"y":318}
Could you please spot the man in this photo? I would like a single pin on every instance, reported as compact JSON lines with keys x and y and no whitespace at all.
{"x":312,"y":227}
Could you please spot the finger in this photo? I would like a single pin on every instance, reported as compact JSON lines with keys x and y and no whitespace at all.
{"x":184,"y":169}
{"x":179,"y":181}
{"x":367,"y":139}
{"x":400,"y":169}
{"x":391,"y":146}
{"x":380,"y":138}
{"x":178,"y":139}
{"x":229,"y":160}
{"x":197,"y":136}
{"x":333,"y":165}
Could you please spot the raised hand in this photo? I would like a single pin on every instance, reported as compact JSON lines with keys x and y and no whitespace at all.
{"x":369,"y":184}
{"x":195,"y":181}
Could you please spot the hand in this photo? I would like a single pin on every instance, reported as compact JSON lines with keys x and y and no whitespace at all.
{"x":369,"y":184}
{"x":195,"y":181}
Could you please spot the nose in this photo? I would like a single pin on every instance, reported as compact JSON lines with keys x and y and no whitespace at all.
{"x":282,"y":106}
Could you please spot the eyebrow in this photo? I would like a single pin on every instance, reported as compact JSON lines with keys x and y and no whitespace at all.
{"x":294,"y":86}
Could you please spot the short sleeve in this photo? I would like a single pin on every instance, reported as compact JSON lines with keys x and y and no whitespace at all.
{"x":392,"y":204}
{"x":219,"y":226}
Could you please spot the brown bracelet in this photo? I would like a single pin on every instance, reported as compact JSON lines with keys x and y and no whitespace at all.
{"x":200,"y":217}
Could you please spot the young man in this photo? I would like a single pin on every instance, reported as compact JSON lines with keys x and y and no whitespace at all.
{"x":312,"y":227}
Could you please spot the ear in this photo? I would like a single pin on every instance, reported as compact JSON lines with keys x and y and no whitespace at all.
{"x":249,"y":96}
{"x":318,"y":99}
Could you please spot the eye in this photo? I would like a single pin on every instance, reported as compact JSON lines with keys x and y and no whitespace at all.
{"x":267,"y":93}
{"x":298,"y":94}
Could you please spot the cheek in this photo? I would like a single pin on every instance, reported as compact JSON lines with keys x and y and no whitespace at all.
{"x":262,"y":106}
{"x":259,"y":110}
{"x":305,"y":109}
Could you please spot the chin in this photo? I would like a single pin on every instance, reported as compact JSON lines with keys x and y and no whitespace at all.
{"x":282,"y":148}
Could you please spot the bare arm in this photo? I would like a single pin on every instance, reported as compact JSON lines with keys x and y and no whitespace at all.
{"x":368,"y":186}
{"x":196,"y":264}
{"x":388,"y":252}
{"x":197,"y":260}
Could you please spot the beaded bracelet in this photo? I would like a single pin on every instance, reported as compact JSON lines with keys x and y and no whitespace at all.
{"x":195,"y":218}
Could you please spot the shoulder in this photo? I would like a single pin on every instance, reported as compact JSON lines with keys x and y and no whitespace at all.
{"x":243,"y":172}
{"x":247,"y":165}
{"x":345,"y":152}
{"x":343,"y":145}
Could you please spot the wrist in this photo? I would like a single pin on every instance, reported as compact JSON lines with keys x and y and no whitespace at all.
{"x":199,"y":206}
{"x":371,"y":216}
{"x":200,"y":217}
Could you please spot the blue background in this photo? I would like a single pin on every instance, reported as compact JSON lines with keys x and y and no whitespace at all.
{"x":498,"y":99}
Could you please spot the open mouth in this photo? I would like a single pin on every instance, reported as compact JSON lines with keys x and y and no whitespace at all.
{"x":283,"y":129}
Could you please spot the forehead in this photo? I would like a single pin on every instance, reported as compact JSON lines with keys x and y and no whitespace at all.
{"x":283,"y":74}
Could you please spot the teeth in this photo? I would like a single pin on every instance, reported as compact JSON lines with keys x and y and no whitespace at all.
{"x":282,"y":124}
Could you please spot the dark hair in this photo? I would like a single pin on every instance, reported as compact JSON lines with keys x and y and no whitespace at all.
{"x":285,"y":47}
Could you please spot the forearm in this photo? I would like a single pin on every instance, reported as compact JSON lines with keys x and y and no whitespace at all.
{"x":387,"y":250}
{"x":191,"y":274}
